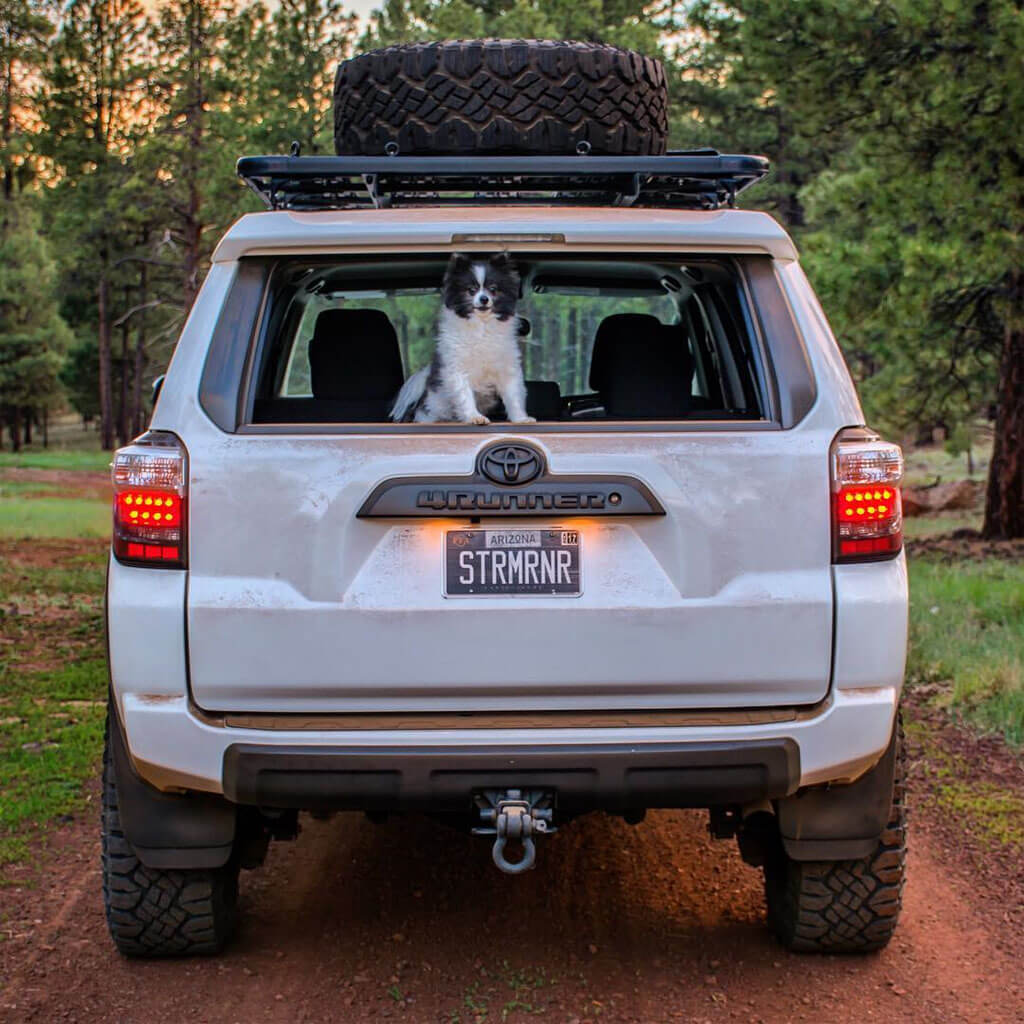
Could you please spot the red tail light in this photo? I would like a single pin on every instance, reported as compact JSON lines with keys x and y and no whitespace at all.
{"x":867,"y":513}
{"x":150,"y":502}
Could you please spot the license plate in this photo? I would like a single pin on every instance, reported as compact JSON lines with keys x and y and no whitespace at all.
{"x":513,"y":562}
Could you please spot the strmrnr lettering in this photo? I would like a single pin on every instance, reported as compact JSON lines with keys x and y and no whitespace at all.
{"x":528,"y":567}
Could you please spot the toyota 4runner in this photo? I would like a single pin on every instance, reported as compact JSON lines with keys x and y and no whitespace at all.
{"x":682,"y":587}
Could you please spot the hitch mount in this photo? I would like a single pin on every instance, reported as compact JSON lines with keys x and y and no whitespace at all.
{"x":514,"y":816}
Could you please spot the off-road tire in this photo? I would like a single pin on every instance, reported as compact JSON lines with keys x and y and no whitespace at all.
{"x":153,"y":913}
{"x":845,"y":906}
{"x":500,"y":96}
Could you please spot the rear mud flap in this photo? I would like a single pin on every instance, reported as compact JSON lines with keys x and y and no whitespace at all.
{"x":170,"y":831}
{"x":839,"y":822}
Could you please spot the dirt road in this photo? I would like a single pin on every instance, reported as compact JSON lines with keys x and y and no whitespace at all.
{"x":410,"y":921}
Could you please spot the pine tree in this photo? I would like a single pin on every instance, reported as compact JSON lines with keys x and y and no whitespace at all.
{"x":283,"y":64}
{"x":630,"y":23}
{"x":93,"y":90}
{"x":195,"y":141}
{"x":24,"y":31}
{"x":33,"y":337}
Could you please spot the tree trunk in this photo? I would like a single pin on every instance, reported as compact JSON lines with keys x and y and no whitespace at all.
{"x":106,"y":386}
{"x":122,"y":417}
{"x":1004,"y":500}
{"x":193,"y":228}
{"x":140,"y":355}
{"x":28,"y":425}
{"x":6,"y":130}
{"x":791,"y":210}
{"x":15,"y":424}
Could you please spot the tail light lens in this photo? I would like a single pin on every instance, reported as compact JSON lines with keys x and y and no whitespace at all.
{"x":867,"y":509}
{"x":150,"y":502}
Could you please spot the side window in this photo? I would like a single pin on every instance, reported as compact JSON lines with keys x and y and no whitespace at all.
{"x":707,"y":375}
{"x":297,"y":383}
{"x":737,"y":371}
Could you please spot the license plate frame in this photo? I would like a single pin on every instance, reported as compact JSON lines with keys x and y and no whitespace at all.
{"x":556,"y":575}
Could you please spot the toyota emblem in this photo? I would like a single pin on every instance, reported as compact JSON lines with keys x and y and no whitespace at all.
{"x":511,"y":463}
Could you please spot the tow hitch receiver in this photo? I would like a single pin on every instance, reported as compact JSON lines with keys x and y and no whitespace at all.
{"x":514,"y":815}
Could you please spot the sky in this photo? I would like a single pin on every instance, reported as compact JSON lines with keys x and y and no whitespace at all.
{"x":362,"y":7}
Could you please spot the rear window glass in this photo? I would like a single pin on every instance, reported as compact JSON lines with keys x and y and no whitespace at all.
{"x":621,"y":339}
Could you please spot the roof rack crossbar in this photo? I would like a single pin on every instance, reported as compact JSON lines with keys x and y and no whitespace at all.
{"x":702,"y":179}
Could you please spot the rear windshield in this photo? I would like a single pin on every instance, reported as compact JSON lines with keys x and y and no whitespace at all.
{"x":623,"y":339}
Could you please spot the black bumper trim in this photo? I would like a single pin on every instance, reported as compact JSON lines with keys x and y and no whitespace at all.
{"x":585,"y":777}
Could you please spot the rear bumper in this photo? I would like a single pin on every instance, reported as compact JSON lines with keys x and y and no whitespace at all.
{"x":172,"y":747}
{"x":585,"y":776}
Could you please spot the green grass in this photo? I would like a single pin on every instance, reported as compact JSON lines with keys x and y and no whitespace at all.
{"x":53,"y":684}
{"x":76,"y":575}
{"x":51,"y":458}
{"x":53,"y":517}
{"x":937,"y":523}
{"x":991,"y":812}
{"x":967,"y":634}
{"x":925,"y":465}
{"x":50,"y":746}
{"x":20,"y":488}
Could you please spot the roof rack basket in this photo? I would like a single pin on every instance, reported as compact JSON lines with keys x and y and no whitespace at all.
{"x":697,"y":179}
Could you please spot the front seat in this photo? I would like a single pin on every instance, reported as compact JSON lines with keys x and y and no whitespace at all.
{"x":355,"y":365}
{"x":641,"y":368}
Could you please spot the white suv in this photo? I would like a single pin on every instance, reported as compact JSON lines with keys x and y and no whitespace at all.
{"x":683,"y":586}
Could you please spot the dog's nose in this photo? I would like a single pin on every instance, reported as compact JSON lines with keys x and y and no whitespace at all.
{"x":484,"y":300}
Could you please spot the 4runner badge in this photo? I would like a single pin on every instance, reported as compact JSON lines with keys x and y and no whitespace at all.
{"x":510,"y":480}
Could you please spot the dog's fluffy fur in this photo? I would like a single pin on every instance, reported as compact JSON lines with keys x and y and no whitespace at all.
{"x":476,"y":360}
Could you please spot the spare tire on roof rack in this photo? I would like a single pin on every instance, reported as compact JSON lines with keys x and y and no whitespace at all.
{"x":500,"y":97}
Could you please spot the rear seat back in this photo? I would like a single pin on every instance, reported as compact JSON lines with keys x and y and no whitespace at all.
{"x":355,"y":363}
{"x":355,"y":372}
{"x":642,"y":368}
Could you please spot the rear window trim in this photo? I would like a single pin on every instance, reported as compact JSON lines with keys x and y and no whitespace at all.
{"x":499,"y":429}
{"x":767,"y":376}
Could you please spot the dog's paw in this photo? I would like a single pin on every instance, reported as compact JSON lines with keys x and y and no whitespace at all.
{"x":479,"y":420}
{"x":526,"y":419}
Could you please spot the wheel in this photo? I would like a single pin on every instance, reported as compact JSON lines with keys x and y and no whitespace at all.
{"x":845,"y":906}
{"x":152,"y":913}
{"x":500,"y":96}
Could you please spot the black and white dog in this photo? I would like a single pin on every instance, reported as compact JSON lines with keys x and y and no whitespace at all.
{"x":476,"y":360}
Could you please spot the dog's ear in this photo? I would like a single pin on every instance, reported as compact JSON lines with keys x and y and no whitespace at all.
{"x":459,"y":261}
{"x":503,"y":261}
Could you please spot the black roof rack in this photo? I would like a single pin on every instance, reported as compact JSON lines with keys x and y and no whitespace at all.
{"x":697,"y":179}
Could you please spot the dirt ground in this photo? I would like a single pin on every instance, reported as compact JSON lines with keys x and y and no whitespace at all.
{"x":68,"y":483}
{"x":410,"y":921}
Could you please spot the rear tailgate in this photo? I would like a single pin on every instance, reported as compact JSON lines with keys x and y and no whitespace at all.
{"x":725,"y":601}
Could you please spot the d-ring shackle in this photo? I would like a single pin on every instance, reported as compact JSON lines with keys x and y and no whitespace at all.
{"x":516,"y":867}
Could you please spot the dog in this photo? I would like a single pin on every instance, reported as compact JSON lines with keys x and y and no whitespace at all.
{"x":476,"y":361}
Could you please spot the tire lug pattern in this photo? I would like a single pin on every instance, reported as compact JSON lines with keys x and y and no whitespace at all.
{"x":501,"y":96}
